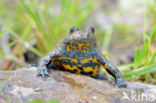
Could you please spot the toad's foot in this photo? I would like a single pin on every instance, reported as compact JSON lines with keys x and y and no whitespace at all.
{"x":43,"y":71}
{"x":120,"y":83}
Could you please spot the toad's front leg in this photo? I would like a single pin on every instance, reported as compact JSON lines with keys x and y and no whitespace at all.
{"x":112,"y":70}
{"x":43,"y":67}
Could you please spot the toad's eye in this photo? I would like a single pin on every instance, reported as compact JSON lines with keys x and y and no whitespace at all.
{"x":73,"y":29}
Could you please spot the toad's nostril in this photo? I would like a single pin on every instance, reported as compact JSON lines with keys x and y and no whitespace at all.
{"x":73,"y":29}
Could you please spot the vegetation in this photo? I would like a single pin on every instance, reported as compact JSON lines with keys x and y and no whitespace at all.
{"x":41,"y":101}
{"x":36,"y":26}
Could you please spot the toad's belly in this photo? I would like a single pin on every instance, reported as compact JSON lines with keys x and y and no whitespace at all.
{"x":87,"y":66}
{"x":80,"y":69}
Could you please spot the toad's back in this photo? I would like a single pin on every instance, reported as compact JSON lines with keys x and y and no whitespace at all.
{"x":78,"y":57}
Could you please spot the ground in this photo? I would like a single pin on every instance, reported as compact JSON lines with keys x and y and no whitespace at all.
{"x":22,"y":85}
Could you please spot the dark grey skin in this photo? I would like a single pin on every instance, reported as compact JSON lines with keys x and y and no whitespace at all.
{"x":76,"y":35}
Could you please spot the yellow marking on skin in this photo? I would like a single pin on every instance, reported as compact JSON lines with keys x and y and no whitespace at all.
{"x":90,"y":59}
{"x":105,"y":66}
{"x":95,"y":71}
{"x":80,"y":45}
{"x":68,"y":67}
{"x":78,"y":70}
{"x":87,"y":69}
{"x":60,"y":58}
{"x":79,"y":65}
{"x":96,"y":61}
{"x":70,"y":46}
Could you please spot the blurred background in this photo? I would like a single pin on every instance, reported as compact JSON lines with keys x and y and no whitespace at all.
{"x":125,"y":31}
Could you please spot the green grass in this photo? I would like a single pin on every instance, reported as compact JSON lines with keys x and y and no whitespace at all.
{"x":35,"y":26}
{"x":145,"y":56}
{"x":41,"y":101}
{"x":51,"y":27}
{"x":140,"y":71}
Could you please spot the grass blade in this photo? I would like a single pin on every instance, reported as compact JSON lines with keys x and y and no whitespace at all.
{"x":140,"y":71}
{"x":26,"y":44}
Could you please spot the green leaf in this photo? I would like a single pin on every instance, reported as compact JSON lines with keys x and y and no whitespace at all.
{"x":140,"y":71}
{"x":26,"y":44}
{"x":152,"y":59}
{"x":136,"y":59}
{"x":4,"y":31}
{"x":8,"y":46}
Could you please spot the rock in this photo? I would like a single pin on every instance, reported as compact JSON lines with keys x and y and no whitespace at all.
{"x":22,"y":85}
